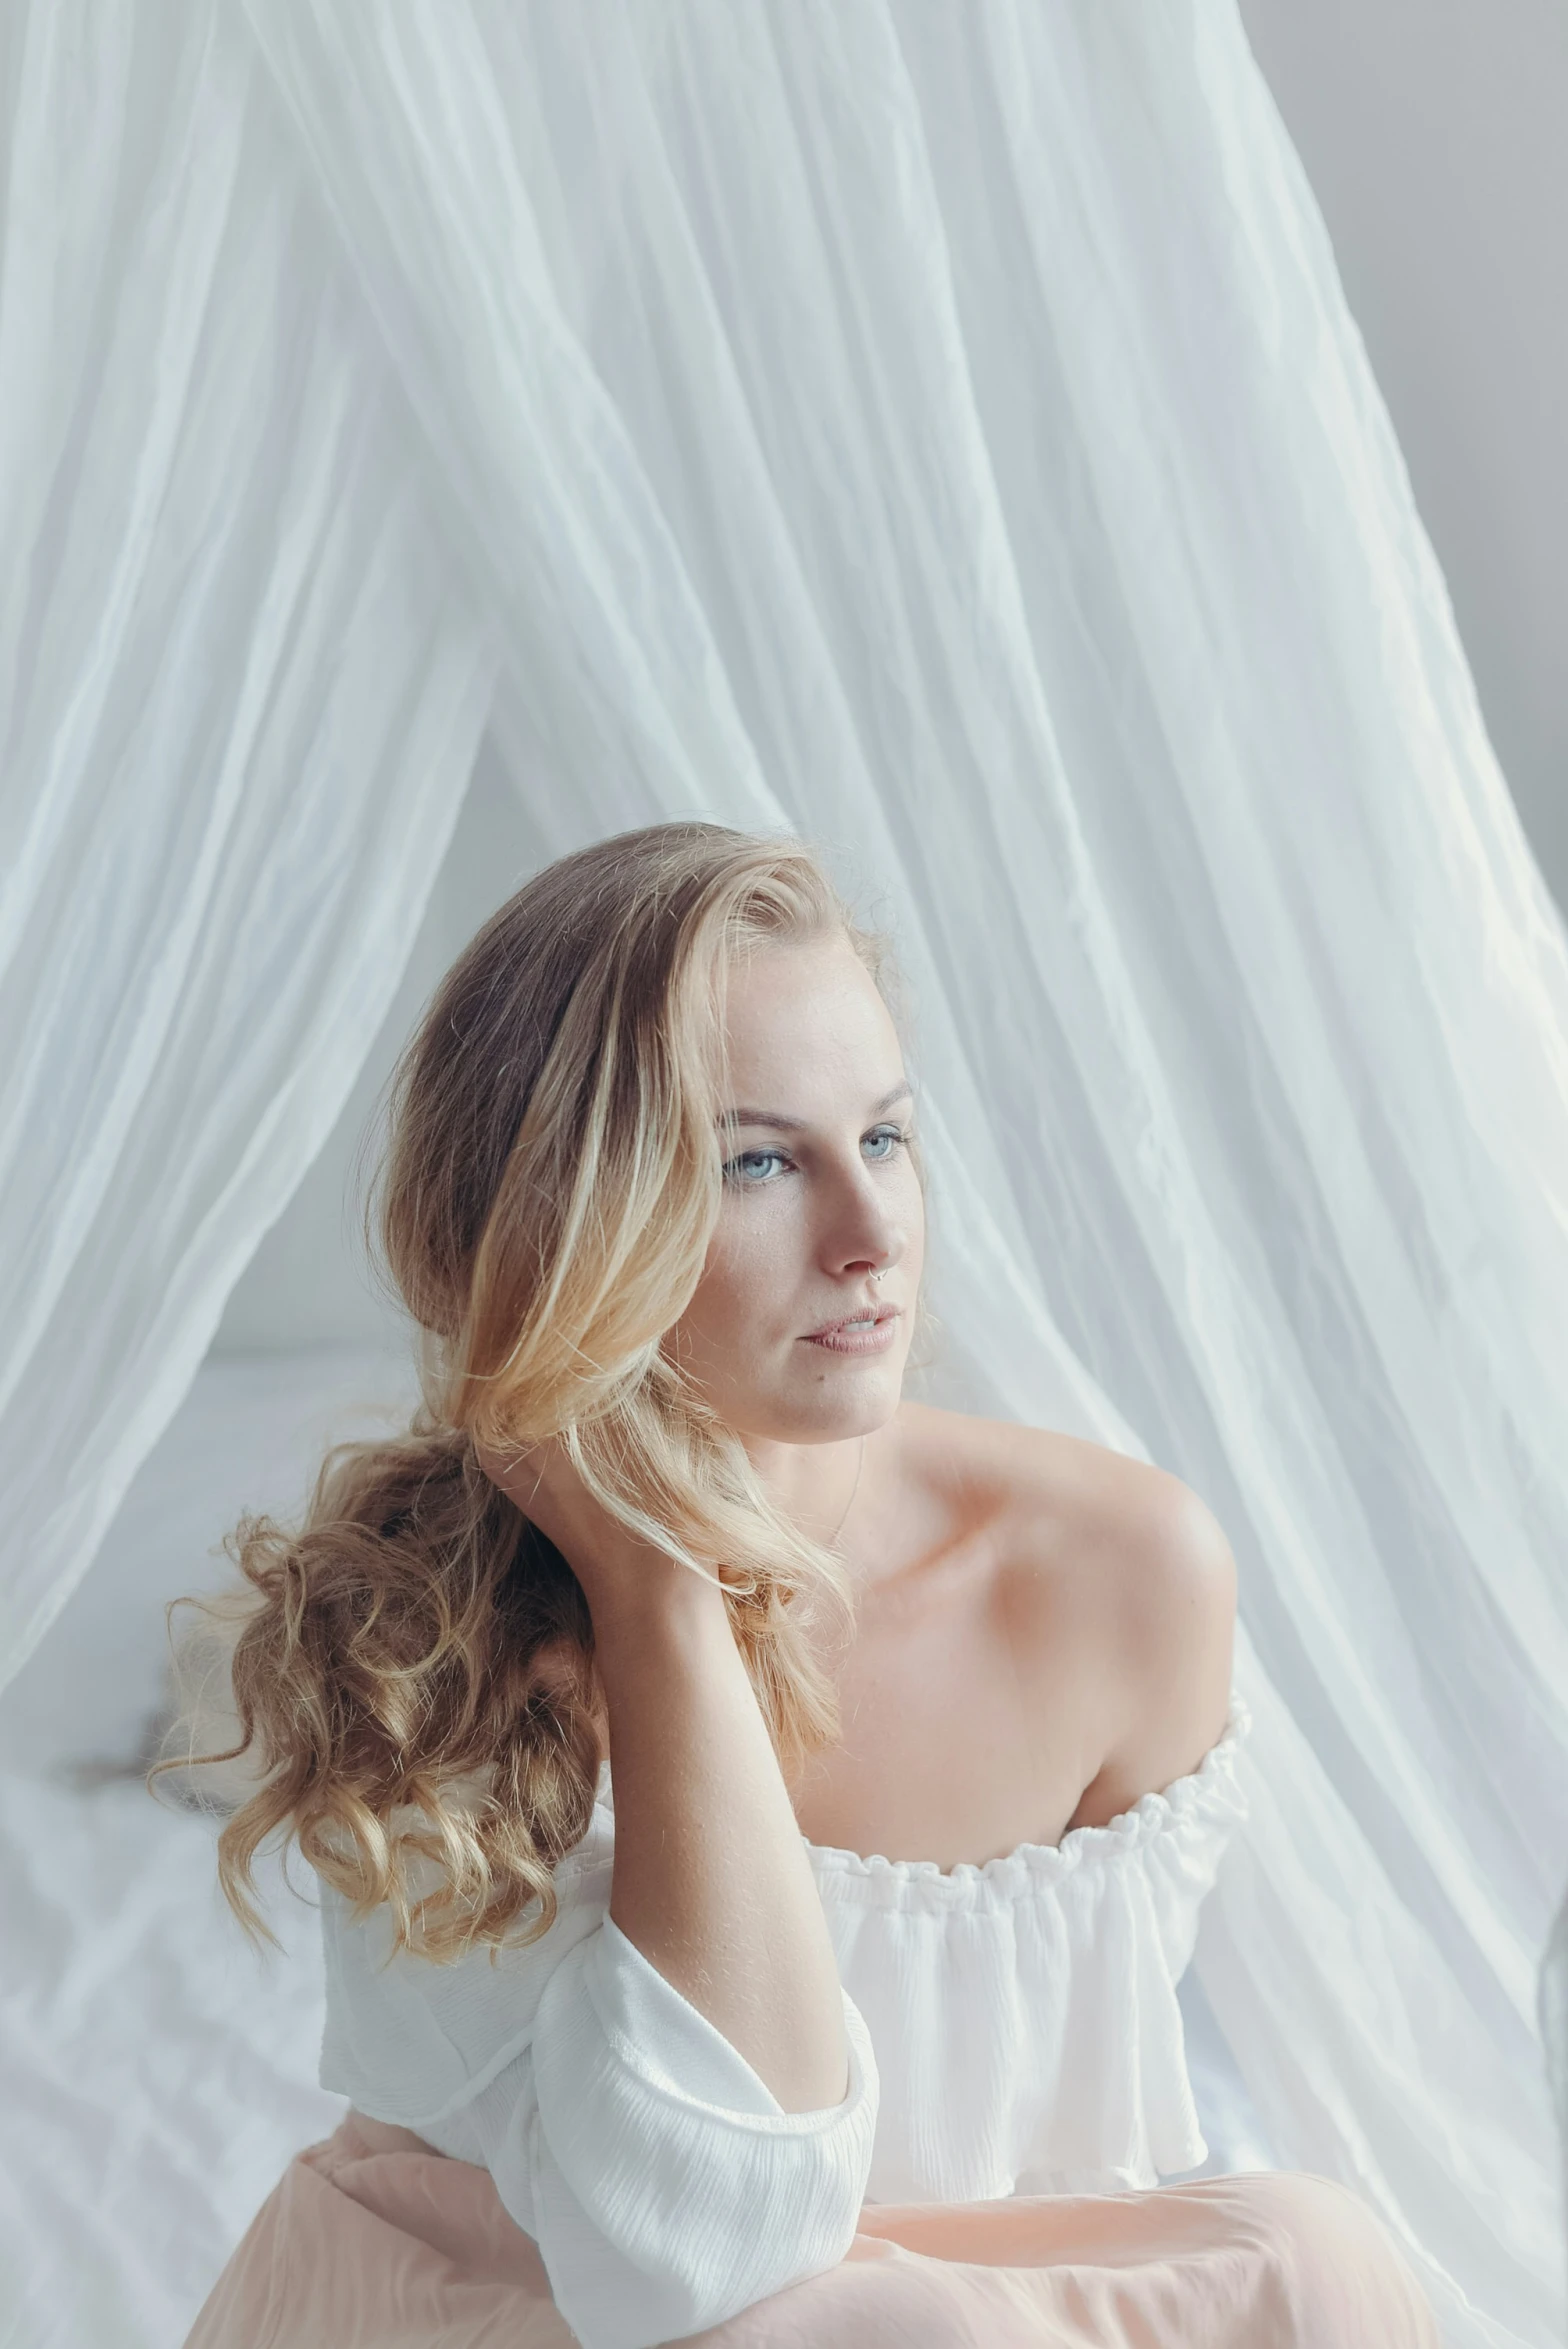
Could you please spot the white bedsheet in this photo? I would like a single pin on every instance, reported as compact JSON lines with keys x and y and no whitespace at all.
{"x":155,"y":2074}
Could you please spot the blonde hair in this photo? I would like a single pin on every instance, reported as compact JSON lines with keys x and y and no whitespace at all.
{"x":411,"y":1671}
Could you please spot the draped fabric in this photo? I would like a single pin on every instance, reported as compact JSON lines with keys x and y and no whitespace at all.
{"x":938,"y":431}
{"x":241,"y":687}
{"x":370,"y":2242}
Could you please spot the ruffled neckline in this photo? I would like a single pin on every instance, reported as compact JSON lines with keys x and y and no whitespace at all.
{"x":1201,"y":1791}
{"x":1211,"y":1785}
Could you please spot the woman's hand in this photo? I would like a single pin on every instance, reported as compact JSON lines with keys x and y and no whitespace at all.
{"x":621,"y":1574}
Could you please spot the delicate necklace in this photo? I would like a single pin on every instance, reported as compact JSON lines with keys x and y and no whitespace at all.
{"x":853,"y":1490}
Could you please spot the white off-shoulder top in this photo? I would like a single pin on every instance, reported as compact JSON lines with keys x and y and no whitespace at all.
{"x":1013,"y":2027}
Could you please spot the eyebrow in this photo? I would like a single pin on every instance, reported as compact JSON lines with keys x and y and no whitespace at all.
{"x":798,"y":1125}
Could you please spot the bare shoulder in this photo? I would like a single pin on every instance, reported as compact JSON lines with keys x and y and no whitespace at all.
{"x":1051,"y":1485}
{"x":1112,"y":1575}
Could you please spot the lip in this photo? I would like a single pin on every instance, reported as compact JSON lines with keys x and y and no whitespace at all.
{"x":834,"y":1338}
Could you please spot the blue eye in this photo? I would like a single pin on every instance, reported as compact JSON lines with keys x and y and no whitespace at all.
{"x":737,"y":1170}
{"x":732,"y":1171}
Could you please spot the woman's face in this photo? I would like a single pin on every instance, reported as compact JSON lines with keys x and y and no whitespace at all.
{"x":820,"y":1193}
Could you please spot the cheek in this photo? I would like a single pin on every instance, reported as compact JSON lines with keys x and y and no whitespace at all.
{"x":749,"y":1262}
{"x":760,"y":1239}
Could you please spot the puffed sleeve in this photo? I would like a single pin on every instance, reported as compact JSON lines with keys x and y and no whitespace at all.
{"x":664,"y":2184}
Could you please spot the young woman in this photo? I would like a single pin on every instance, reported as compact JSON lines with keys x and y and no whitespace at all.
{"x":760,"y":1820}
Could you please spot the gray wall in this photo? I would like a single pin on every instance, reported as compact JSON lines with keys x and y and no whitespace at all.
{"x":1433,"y":133}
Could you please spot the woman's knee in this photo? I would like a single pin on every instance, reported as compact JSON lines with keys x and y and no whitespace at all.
{"x":1339,"y":2266}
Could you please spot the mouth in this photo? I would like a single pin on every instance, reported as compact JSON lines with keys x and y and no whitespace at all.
{"x":857,"y":1333}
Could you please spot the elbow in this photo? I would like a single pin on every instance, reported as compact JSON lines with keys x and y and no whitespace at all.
{"x":701,"y":2274}
{"x":671,"y":2189}
{"x":669,"y":2230}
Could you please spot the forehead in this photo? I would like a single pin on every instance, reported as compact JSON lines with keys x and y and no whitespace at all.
{"x":808,"y":1013}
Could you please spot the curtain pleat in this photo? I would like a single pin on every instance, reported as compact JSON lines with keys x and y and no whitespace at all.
{"x":242,"y":691}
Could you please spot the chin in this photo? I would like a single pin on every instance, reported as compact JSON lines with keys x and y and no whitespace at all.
{"x":841,"y":1405}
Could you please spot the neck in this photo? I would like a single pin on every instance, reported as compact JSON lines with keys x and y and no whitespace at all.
{"x":811,"y":1483}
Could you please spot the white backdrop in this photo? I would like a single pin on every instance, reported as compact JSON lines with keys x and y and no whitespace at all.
{"x":940,"y":431}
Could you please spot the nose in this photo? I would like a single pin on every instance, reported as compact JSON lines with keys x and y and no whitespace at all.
{"x":865,"y":1240}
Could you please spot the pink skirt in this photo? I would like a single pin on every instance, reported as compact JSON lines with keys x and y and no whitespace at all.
{"x":371,"y":2240}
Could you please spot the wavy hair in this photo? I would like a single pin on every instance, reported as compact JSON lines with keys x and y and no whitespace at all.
{"x":409,"y":1672}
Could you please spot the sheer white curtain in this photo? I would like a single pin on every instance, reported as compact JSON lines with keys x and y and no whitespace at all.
{"x":241,"y":685}
{"x":939,"y":430}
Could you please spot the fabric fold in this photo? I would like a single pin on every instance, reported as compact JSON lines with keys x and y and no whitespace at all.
{"x":370,"y":2241}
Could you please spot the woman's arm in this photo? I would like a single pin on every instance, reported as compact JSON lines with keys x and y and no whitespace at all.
{"x":711,"y":1880}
